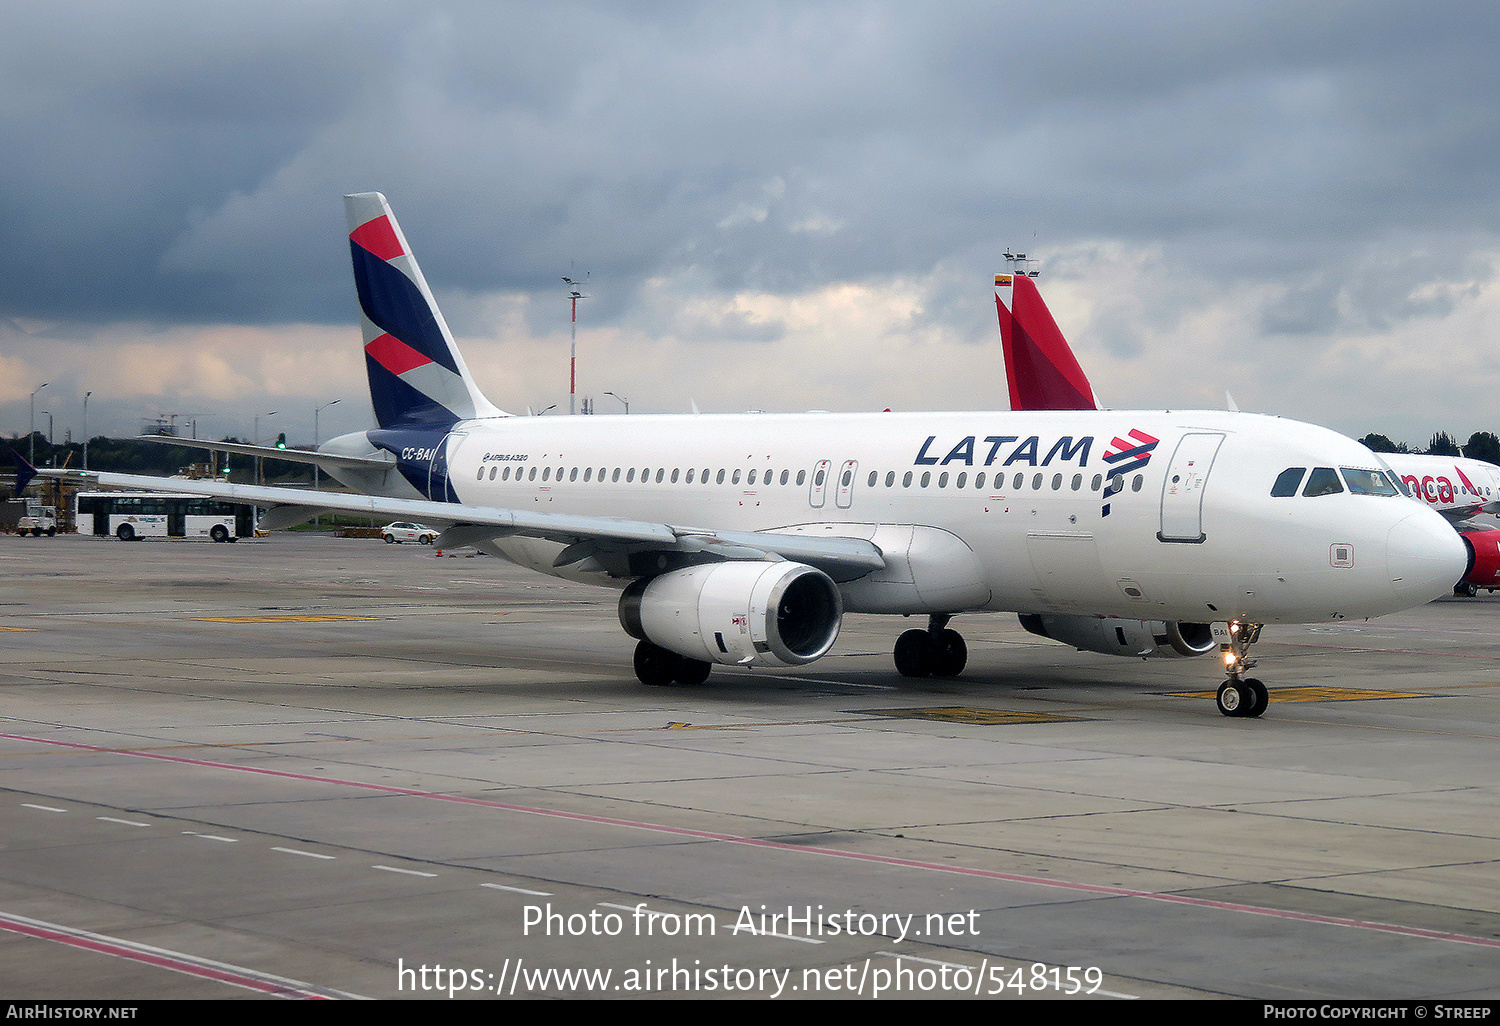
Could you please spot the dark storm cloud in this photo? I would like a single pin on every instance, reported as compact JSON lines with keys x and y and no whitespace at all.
{"x":175,"y":162}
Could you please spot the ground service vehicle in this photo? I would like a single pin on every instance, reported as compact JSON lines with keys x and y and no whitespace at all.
{"x":130,"y":516}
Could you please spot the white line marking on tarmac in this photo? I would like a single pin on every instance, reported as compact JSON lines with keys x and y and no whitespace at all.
{"x":122,"y":822}
{"x":41,"y":808}
{"x":517,"y":890}
{"x":408,"y":872}
{"x":192,"y":965}
{"x":211,"y":837}
{"x":308,"y":854}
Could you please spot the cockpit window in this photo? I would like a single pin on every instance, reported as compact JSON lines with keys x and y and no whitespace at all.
{"x":1393,"y":477}
{"x":1287,"y":482}
{"x":1368,"y":482}
{"x":1323,"y":481}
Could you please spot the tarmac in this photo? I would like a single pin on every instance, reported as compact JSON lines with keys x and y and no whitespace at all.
{"x":310,"y":766}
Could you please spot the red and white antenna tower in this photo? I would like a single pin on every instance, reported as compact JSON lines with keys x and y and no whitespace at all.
{"x":575,"y":296}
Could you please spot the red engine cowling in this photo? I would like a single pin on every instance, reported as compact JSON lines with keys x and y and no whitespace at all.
{"x":1484,"y":559}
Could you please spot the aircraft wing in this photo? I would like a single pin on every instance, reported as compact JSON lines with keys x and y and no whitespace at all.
{"x":614,"y":543}
{"x":271,"y":452}
{"x":1459,"y":516}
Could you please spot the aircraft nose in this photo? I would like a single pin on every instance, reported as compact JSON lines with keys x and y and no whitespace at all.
{"x":1426,"y":557}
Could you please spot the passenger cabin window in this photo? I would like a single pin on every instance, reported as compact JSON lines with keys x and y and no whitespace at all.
{"x":1323,"y":481}
{"x":1287,"y":482}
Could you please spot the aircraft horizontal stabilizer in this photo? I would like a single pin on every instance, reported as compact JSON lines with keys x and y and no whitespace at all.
{"x":323,"y":459}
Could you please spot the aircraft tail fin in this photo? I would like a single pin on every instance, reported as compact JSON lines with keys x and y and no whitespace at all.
{"x":25,"y":472}
{"x":1040,"y":367}
{"x":417,"y":375}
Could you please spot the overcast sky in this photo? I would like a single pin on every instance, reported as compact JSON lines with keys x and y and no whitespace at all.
{"x":780,"y":206}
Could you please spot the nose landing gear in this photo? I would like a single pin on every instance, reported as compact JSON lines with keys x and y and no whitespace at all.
{"x":1242,"y":696}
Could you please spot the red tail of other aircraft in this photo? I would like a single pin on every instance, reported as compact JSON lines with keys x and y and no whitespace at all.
{"x":1039,"y":366}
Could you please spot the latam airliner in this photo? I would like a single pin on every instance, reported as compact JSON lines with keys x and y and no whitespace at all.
{"x":744,"y":540}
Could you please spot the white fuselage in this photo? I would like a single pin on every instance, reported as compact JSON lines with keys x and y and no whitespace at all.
{"x":1452,"y":484}
{"x":1002,"y":511}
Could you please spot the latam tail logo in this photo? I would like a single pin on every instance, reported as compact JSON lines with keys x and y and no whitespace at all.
{"x":416,"y":377}
{"x":1124,"y":456}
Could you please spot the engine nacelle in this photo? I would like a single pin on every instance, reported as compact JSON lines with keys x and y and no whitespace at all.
{"x":1484,"y":558}
{"x":745,"y":613}
{"x":1139,"y":638}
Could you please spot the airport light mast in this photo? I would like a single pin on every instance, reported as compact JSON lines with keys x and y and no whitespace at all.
{"x":1020,"y":265}
{"x":575,"y":296}
{"x":43,"y":385}
{"x":317,"y":410}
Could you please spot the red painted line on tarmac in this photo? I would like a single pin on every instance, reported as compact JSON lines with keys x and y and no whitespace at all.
{"x":885,"y":860}
{"x":163,"y":959}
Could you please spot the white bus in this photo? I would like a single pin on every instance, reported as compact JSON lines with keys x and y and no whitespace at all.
{"x":130,"y":516}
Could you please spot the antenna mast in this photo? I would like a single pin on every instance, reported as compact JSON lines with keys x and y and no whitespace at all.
{"x":575,"y":296}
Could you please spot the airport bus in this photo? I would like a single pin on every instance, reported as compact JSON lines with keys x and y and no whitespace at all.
{"x":129,"y":516}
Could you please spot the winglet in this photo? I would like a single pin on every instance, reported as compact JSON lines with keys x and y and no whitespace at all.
{"x":1040,"y":368}
{"x":25,"y":472}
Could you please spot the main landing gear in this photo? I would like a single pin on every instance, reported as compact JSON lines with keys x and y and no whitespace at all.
{"x":939,"y":651}
{"x":660,"y":668}
{"x":1242,"y":696}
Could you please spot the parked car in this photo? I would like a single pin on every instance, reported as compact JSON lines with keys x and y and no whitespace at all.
{"x":404,"y":532}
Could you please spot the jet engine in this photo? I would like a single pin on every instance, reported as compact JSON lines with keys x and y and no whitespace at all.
{"x":745,"y":613}
{"x":1484,"y":561}
{"x":1111,"y":636}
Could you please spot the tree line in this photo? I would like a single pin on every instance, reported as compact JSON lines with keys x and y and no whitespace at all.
{"x":132,"y":456}
{"x":1482,"y":445}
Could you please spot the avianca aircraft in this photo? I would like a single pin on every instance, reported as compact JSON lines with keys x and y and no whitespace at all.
{"x":1459,"y":488}
{"x":744,"y":540}
{"x":1043,"y":374}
